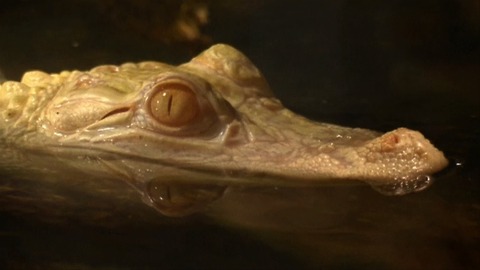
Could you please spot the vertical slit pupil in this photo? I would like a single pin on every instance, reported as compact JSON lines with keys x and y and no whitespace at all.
{"x":169,"y":104}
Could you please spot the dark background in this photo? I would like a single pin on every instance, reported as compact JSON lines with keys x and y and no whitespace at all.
{"x":375,"y":64}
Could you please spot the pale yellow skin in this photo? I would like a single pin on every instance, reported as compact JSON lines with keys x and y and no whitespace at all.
{"x":130,"y":122}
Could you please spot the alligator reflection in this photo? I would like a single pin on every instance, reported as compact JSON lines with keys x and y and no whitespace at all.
{"x":323,"y":226}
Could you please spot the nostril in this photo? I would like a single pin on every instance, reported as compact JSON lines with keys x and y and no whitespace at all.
{"x":116,"y":111}
{"x":389,"y":142}
{"x":394,"y":139}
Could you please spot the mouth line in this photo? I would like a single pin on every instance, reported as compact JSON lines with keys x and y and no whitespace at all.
{"x":231,"y":175}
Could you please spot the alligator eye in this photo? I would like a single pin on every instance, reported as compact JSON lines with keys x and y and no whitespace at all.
{"x":174,"y":105}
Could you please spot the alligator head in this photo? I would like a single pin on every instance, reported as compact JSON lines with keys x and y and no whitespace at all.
{"x":181,"y":134}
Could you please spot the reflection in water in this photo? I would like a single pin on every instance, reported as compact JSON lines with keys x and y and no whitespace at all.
{"x":349,"y":226}
{"x":356,"y":227}
{"x":181,"y":199}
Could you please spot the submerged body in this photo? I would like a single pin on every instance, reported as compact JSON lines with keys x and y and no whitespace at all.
{"x":181,"y":134}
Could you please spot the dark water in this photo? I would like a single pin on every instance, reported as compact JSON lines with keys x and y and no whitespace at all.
{"x":374,"y":64}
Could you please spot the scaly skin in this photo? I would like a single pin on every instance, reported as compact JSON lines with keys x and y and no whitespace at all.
{"x":203,"y":125}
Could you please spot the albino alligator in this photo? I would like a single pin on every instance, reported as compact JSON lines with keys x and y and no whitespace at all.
{"x":181,"y":134}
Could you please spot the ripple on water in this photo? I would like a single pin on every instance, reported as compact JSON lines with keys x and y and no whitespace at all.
{"x":403,"y":187}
